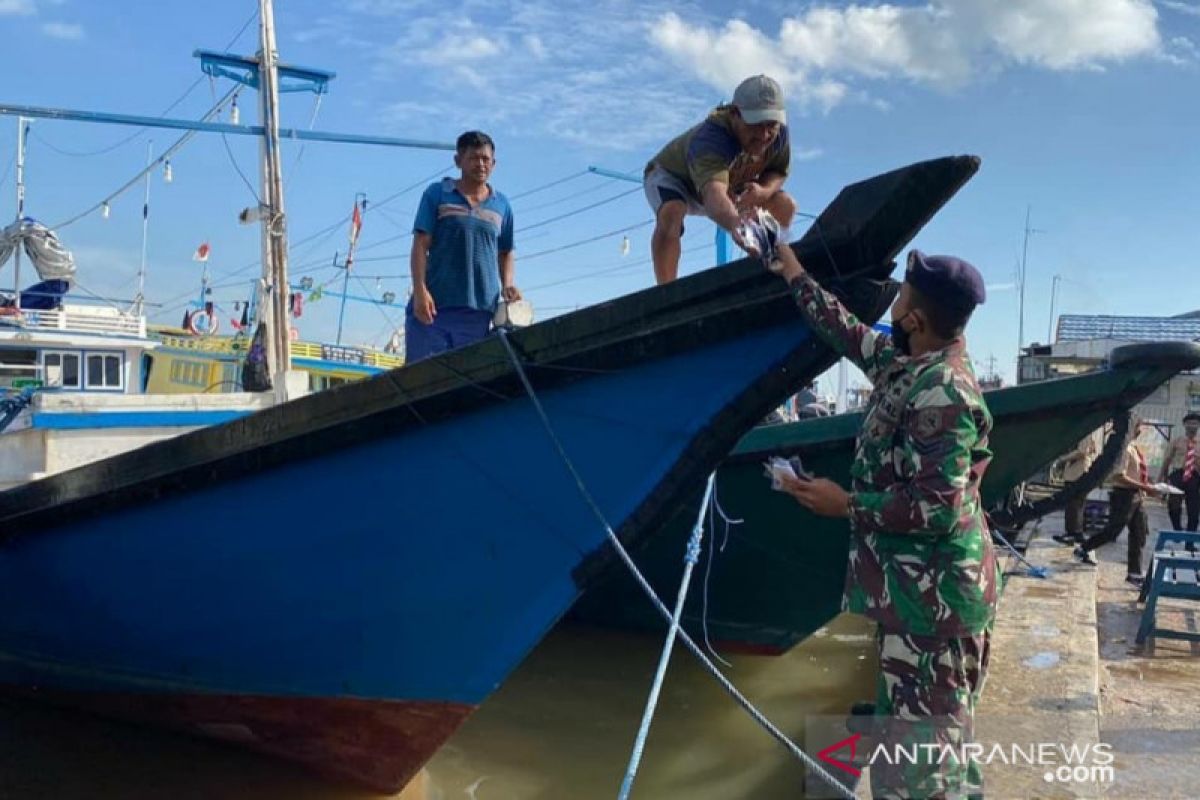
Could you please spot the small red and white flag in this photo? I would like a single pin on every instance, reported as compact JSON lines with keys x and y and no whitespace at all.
{"x":355,"y":226}
{"x":355,"y":230}
{"x":201,"y":253}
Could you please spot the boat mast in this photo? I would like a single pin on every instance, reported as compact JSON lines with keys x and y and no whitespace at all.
{"x":139,"y":299}
{"x":22,"y":130}
{"x":274,"y":222}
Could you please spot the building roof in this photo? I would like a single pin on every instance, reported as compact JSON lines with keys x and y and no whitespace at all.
{"x":1081,"y":327}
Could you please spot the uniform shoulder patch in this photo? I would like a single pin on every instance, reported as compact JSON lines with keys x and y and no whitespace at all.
{"x":928,"y":421}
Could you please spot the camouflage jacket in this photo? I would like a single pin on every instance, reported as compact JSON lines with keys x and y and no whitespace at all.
{"x":921,"y":557}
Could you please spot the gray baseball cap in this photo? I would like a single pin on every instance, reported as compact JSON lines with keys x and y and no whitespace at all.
{"x":760,"y":99}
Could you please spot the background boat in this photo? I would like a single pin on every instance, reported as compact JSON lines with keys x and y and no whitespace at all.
{"x":778,"y":576}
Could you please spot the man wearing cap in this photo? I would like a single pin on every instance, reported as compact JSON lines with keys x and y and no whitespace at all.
{"x":734,"y":161}
{"x":1181,"y":466}
{"x":921,"y":559}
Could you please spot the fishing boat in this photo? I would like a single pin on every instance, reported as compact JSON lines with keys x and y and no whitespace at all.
{"x":777,"y":575}
{"x":184,"y":362}
{"x":354,"y":625}
{"x":73,"y":370}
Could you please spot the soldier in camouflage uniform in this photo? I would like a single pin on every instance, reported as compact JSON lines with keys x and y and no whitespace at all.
{"x":921,"y":561}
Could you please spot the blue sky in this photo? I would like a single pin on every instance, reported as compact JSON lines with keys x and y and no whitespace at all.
{"x":1086,"y":110}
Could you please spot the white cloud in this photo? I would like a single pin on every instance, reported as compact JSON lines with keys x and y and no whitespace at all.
{"x":17,"y":7}
{"x":943,"y":43}
{"x":806,"y":153}
{"x":578,"y":70}
{"x":609,"y":74}
{"x":1069,"y":34}
{"x":63,"y":30}
{"x":533,"y":43}
{"x":457,"y":47}
{"x":1181,"y":51}
{"x":1182,"y":7}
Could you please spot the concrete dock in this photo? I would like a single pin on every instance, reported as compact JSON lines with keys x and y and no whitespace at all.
{"x":1065,"y":672}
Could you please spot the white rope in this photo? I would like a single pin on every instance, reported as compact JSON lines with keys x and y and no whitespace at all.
{"x":834,"y":784}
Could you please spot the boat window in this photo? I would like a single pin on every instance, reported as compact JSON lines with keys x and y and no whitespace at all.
{"x":18,"y":368}
{"x":190,"y":373}
{"x":104,"y":371}
{"x":61,"y":369}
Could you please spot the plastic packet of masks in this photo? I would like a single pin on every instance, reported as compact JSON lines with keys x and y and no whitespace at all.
{"x":776,"y":467}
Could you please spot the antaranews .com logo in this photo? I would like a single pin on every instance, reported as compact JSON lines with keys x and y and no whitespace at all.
{"x":1056,"y":762}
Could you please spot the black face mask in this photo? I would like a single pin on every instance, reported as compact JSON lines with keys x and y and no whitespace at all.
{"x":900,"y":337}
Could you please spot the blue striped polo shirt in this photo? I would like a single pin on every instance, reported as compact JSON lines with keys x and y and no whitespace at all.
{"x":463,"y":269}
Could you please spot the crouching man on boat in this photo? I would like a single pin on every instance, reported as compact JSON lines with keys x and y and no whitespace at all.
{"x":921,"y":560}
{"x":734,"y":161}
{"x":462,"y":256}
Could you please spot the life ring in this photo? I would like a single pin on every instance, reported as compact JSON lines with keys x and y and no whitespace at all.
{"x":201,"y":323}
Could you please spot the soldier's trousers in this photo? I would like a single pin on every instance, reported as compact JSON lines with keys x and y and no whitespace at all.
{"x":926,"y":695}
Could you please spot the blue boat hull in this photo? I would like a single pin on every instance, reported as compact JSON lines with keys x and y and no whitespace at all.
{"x":422,"y":570}
{"x":343,"y":578}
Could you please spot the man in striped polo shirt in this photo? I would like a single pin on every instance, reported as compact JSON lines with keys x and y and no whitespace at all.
{"x":462,"y":256}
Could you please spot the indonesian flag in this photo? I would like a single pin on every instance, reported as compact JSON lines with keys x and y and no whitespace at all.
{"x":201,"y":253}
{"x":355,"y":226}
{"x":355,"y":230}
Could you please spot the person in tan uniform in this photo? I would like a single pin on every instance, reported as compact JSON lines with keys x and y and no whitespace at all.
{"x":1181,"y":466}
{"x":1129,"y":485}
{"x":1074,"y":465}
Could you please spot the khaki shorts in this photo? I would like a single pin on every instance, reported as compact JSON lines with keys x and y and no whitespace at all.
{"x":662,"y":187}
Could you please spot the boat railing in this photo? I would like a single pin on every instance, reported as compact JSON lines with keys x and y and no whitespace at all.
{"x":313,"y":350}
{"x":205,"y":344}
{"x":80,"y":320}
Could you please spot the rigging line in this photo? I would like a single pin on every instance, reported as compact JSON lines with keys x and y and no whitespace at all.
{"x":394,"y":222}
{"x":608,"y":270}
{"x":229,"y":151}
{"x":8,"y":170}
{"x":179,"y":143}
{"x":423,"y":182}
{"x":80,"y":287}
{"x":549,"y":185}
{"x":398,"y":237}
{"x":187,"y":92}
{"x":183,"y":299}
{"x":325,"y":232}
{"x":380,"y":335}
{"x":287,"y":181}
{"x":396,"y":256}
{"x":558,"y":201}
{"x":369,"y":291}
{"x":310,"y":249}
{"x":582,"y":242}
{"x":597,"y":204}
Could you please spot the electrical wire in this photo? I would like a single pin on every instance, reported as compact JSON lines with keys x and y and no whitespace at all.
{"x":576,"y":211}
{"x":179,"y":143}
{"x":109,"y":148}
{"x":582,"y":242}
{"x":229,"y":151}
{"x":549,"y":185}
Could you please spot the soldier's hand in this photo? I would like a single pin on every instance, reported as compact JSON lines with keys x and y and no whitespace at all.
{"x":821,"y":496}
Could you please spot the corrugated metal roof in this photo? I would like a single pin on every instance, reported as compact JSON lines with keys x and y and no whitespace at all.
{"x":1081,"y":327}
